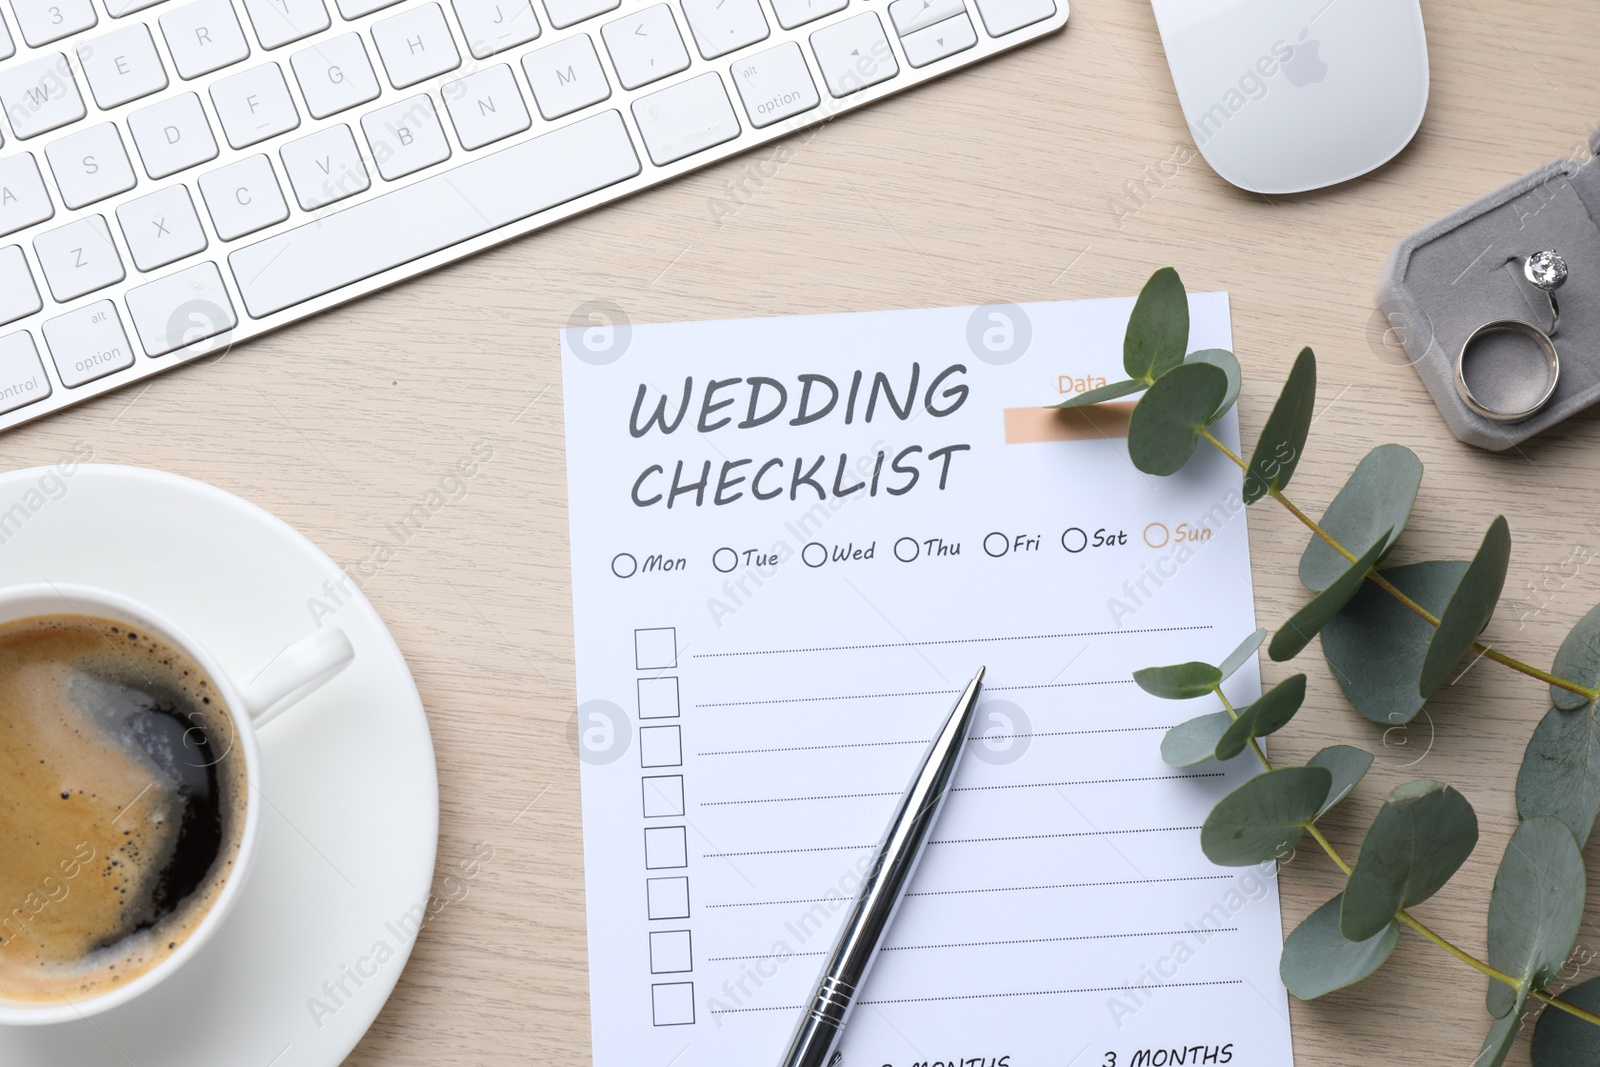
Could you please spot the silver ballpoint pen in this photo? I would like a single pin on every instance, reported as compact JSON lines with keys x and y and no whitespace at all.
{"x":816,"y":1038}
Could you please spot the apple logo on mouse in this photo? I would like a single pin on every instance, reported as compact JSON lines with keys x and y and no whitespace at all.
{"x":1304,"y":66}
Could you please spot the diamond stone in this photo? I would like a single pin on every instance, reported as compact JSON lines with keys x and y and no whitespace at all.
{"x":1546,"y":269}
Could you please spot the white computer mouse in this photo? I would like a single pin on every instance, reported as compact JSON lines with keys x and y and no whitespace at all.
{"x":1282,"y":96}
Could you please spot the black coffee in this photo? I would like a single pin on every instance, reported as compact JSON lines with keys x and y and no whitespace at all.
{"x":121,"y":802}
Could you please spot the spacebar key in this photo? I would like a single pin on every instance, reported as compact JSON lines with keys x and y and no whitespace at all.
{"x":454,"y":206}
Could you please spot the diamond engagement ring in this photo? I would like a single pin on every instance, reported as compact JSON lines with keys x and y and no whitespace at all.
{"x":1546,"y":347}
{"x":1547,"y":272}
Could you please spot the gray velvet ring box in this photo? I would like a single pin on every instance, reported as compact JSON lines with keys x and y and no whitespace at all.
{"x":1450,"y":277}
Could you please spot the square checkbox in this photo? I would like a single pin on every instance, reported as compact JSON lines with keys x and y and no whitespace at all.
{"x":655,"y":649}
{"x":660,"y":746}
{"x":663,"y":795}
{"x":670,"y":952}
{"x":673,"y":1003}
{"x":665,"y":846}
{"x":658,"y":698}
{"x":666,"y":898}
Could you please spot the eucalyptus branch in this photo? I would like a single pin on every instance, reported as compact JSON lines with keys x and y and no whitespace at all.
{"x":1373,"y":575}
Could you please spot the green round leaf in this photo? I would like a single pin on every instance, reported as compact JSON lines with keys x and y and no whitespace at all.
{"x":1377,"y":497}
{"x":1220,"y":357}
{"x":1422,"y":835}
{"x":1317,"y":959}
{"x":1267,"y":715}
{"x":1347,"y":764}
{"x":1578,"y":660}
{"x":1180,"y":681}
{"x":1535,"y":909}
{"x":1241,"y":655}
{"x":1194,"y":741}
{"x":1375,"y":645}
{"x":1264,"y":817}
{"x":1560,"y":1040}
{"x":1293,"y":636}
{"x":1166,"y":424}
{"x":1104,"y":393}
{"x":1158,"y":328}
{"x":1469,"y":609}
{"x":1560,"y":774}
{"x":1283,"y":438}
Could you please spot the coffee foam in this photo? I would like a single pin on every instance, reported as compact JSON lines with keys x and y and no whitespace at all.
{"x":92,"y":801}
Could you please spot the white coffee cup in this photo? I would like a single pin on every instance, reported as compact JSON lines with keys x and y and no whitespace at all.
{"x":293,"y":674}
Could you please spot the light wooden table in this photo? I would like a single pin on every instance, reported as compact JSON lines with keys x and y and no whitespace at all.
{"x":1001,"y":183}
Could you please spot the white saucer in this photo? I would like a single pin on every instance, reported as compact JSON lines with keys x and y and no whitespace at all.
{"x":350,"y":822}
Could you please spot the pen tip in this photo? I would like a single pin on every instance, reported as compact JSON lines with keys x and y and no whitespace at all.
{"x":979,"y":676}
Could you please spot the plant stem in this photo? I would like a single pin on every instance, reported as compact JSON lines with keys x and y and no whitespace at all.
{"x":1570,"y":1009}
{"x":1592,"y":693}
{"x":1327,"y":846}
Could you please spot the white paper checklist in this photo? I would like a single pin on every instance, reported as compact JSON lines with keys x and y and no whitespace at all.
{"x":793,"y":542}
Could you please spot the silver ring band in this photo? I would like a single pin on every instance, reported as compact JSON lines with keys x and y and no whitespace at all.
{"x":1539,"y":337}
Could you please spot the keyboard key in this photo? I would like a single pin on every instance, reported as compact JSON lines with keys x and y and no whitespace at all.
{"x":254,"y":105}
{"x":492,"y":26}
{"x":203,"y":36}
{"x":78,"y":258}
{"x":486,"y":106}
{"x":18,"y":295}
{"x":172,"y":135}
{"x":118,"y":8}
{"x":181,"y":309}
{"x":325,"y":167}
{"x":792,"y":13}
{"x":429,"y":216}
{"x":243,"y":197}
{"x":90,"y":165}
{"x":122,"y":65}
{"x":280,"y":22}
{"x":687,"y":118}
{"x":7,"y":47}
{"x":939,"y":40}
{"x":645,"y":46}
{"x":909,"y":16}
{"x":405,"y":137}
{"x":775,"y":84}
{"x":24,"y":201}
{"x":723,"y":26}
{"x":43,"y":21}
{"x":40,"y":96}
{"x":1001,"y":17}
{"x":415,"y":45}
{"x":87,"y":344}
{"x":161,"y":228}
{"x":335,"y":75}
{"x":354,"y":9}
{"x":564,"y":13}
{"x":22,"y":380}
{"x":565,"y":76}
{"x":854,"y":54}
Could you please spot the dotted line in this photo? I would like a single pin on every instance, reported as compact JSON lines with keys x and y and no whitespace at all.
{"x":961,"y":789}
{"x":993,"y":944}
{"x":909,"y":693}
{"x":952,"y":641}
{"x":994,"y":889}
{"x":996,"y":996}
{"x":947,"y":841}
{"x":927,"y":740}
{"x":1059,"y":885}
{"x":1054,"y":940}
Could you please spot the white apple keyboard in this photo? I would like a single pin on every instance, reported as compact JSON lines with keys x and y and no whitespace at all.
{"x":179,"y":176}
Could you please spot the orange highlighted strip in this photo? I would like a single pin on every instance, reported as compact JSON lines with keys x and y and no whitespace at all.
{"x":1032,"y":425}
